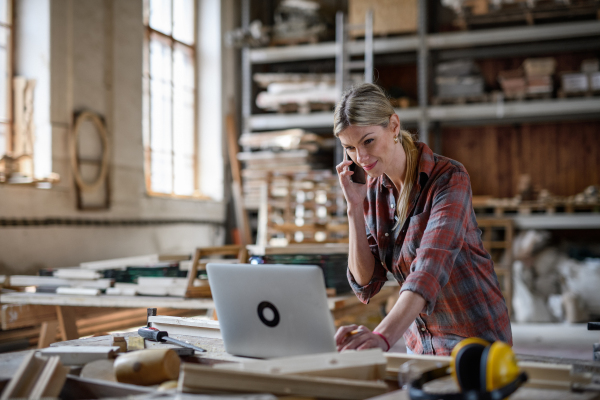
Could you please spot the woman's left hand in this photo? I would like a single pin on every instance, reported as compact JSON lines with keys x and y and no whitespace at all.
{"x":354,"y":337}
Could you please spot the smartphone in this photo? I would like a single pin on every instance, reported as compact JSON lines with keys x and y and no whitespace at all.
{"x":359,"y":175}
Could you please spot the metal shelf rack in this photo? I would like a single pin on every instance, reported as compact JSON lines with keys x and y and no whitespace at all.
{"x":500,"y":42}
{"x":463,"y":43}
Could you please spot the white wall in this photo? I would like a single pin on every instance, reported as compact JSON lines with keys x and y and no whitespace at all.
{"x":95,"y":63}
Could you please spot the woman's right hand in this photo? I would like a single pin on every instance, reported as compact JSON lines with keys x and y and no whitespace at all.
{"x":354,"y":193}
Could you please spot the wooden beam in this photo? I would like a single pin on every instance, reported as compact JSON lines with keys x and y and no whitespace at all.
{"x":66,"y":321}
{"x":48,"y":334}
{"x":226,"y":250}
{"x":80,"y":355}
{"x":365,"y":365}
{"x":196,"y":378}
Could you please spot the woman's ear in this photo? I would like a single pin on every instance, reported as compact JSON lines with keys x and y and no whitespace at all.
{"x":395,"y":124}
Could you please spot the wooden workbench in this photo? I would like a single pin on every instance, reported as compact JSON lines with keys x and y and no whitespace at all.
{"x":69,"y":307}
{"x":338,"y":304}
{"x":216,"y":354}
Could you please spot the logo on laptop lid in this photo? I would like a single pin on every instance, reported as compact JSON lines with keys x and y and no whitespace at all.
{"x":268,"y":314}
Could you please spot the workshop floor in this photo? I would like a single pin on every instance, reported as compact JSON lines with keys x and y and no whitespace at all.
{"x":550,"y":340}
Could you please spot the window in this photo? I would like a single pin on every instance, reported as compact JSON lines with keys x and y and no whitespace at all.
{"x":170,"y":139}
{"x":6,"y":37}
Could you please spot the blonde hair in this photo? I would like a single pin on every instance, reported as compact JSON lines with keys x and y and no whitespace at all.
{"x":368,"y":105}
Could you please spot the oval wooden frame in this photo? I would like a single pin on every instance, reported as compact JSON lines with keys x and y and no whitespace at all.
{"x":97,"y":121}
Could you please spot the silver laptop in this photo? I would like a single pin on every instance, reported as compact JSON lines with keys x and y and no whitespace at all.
{"x":272,"y":310}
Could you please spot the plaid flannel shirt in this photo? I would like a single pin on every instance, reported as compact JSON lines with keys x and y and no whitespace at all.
{"x":438,"y":254}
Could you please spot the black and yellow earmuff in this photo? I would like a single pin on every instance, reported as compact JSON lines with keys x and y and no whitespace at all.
{"x":481,"y":370}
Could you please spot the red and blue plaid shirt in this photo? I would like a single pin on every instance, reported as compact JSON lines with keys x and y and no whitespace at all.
{"x":438,"y":254}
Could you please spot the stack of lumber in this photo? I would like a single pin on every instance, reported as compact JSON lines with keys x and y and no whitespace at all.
{"x":459,"y":81}
{"x":281,"y":152}
{"x":302,"y":208}
{"x":298,"y":93}
{"x":474,"y":14}
{"x":151,"y":275}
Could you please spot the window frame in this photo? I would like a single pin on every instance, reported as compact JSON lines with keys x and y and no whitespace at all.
{"x":10,"y":65}
{"x":147,"y":104}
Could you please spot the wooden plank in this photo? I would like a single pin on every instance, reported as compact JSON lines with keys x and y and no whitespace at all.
{"x":198,"y":379}
{"x":232,"y":150}
{"x":226,"y":250}
{"x":78,"y":291}
{"x":108,"y":301}
{"x":300,"y":248}
{"x":186,"y":326}
{"x":48,"y":334}
{"x":66,"y":322}
{"x":24,"y":377}
{"x":34,"y":280}
{"x":80,"y":355}
{"x":552,"y":376}
{"x":76,"y":273}
{"x":364,"y":365}
{"x":15,"y":316}
{"x":51,"y":380}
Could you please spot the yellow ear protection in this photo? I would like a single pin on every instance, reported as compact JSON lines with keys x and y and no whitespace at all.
{"x":481,"y":370}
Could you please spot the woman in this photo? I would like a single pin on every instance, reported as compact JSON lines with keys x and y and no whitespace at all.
{"x":420,"y":227}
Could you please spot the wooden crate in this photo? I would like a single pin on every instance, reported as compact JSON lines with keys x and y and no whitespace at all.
{"x":389,"y":16}
{"x":497,"y":236}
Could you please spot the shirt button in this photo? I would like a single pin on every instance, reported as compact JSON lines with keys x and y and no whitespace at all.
{"x":387,"y":234}
{"x":382,"y":263}
{"x":422,"y":329}
{"x":392,"y":205}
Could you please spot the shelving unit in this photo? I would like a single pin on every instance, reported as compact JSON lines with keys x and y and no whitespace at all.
{"x":454,"y":45}
{"x":425,"y":48}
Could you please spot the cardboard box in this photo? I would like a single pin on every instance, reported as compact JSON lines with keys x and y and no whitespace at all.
{"x":389,"y":16}
{"x":539,"y":66}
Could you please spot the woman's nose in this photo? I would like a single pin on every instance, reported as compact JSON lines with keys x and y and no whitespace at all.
{"x":361,"y":156}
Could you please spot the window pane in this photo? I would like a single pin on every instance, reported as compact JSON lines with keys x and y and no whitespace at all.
{"x":4,"y":12}
{"x":161,"y":172}
{"x":160,"y":15}
{"x":184,"y":175}
{"x":183,"y":21}
{"x":160,"y":116}
{"x":183,"y":120}
{"x":4,"y":73}
{"x":183,"y":112}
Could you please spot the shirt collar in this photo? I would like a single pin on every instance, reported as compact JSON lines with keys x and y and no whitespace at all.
{"x":425,"y":166}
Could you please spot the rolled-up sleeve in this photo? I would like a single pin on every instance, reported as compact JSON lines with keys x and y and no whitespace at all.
{"x":442,"y":239}
{"x":364,"y":293}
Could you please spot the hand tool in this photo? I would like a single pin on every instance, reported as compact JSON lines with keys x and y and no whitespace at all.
{"x":147,"y":367}
{"x":162,"y":336}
